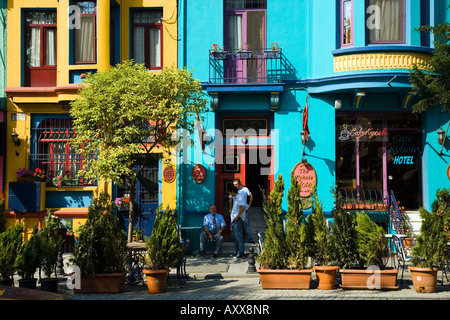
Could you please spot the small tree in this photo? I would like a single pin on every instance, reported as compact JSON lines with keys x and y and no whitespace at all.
{"x":50,"y":245}
{"x":102,"y":244}
{"x":10,"y":245}
{"x":275,"y":247}
{"x":343,"y":234}
{"x":30,"y":256}
{"x":164,"y":245}
{"x":371,"y":242}
{"x":297,"y":227}
{"x":431,"y":244}
{"x":127,"y":111}
{"x":322,"y":243}
{"x":432,"y":81}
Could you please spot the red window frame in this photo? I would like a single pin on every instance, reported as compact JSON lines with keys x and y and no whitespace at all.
{"x":147,"y":27}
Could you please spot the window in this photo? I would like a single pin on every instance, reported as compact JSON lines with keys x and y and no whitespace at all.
{"x":85,"y":35}
{"x":346,"y":23}
{"x":53,"y":152}
{"x":385,"y":21}
{"x":147,"y":38}
{"x":40,"y":39}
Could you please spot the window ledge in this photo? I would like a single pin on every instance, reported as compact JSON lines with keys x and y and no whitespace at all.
{"x":382,"y":48}
{"x":26,"y":94}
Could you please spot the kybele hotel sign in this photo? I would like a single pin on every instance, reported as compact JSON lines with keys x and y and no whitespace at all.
{"x":307,"y":179}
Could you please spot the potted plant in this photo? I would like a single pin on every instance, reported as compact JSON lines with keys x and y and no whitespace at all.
{"x":241,"y":54}
{"x":274,"y":51}
{"x":29,"y":261}
{"x":123,"y":203}
{"x":164,"y":250}
{"x":217,"y":52}
{"x":285,"y":255}
{"x":101,"y":249}
{"x":372,"y":254}
{"x":325,"y":271}
{"x":430,"y":251}
{"x":71,"y":181}
{"x":28,"y":175}
{"x":50,"y":245}
{"x":58,"y":181}
{"x":10,"y":244}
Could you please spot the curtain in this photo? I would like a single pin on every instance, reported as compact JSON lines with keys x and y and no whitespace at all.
{"x":50,"y":42}
{"x":390,"y":21}
{"x":139,"y":45}
{"x":235,"y":32}
{"x":84,"y":51}
{"x":155,"y":47}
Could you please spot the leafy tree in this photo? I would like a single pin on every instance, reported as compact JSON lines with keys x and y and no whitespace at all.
{"x":50,"y":244}
{"x":371,"y":242}
{"x":127,"y":111}
{"x":322,"y":243}
{"x":29,"y":259}
{"x":432,"y":81}
{"x":10,"y":245}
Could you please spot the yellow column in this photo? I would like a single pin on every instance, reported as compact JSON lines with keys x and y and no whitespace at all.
{"x":103,"y":34}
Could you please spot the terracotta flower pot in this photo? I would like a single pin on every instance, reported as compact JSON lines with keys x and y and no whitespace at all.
{"x":408,"y":242}
{"x":424,"y":279}
{"x":285,"y":279}
{"x":326,"y":277}
{"x":369,"y":279}
{"x":156,"y":280}
{"x":102,"y":283}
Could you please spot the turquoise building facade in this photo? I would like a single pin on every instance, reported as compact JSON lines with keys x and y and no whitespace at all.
{"x":339,"y":73}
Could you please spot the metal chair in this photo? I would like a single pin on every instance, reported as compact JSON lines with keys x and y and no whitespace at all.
{"x":402,"y":257}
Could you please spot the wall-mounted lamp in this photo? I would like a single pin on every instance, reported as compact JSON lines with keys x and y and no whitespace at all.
{"x":15,"y":138}
{"x":441,"y":136}
{"x":303,"y":138}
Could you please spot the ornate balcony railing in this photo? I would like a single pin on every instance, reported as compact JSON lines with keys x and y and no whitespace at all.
{"x":253,"y":66}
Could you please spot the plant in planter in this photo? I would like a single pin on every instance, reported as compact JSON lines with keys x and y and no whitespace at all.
{"x":28,"y":175}
{"x":29,"y":261}
{"x":101,"y":250}
{"x":50,"y":245}
{"x":10,"y":244}
{"x":372,"y":253}
{"x":325,"y":271}
{"x":217,"y":52}
{"x":284,"y":257}
{"x":430,"y":251}
{"x":164,"y":250}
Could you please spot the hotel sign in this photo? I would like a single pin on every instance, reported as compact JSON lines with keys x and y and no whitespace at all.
{"x":306,"y":177}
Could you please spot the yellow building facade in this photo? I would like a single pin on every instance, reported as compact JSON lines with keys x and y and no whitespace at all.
{"x":51,"y":45}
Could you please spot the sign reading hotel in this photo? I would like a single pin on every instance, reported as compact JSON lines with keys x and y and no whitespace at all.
{"x":306,"y":177}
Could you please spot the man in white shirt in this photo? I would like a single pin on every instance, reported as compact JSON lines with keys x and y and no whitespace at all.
{"x":246,"y":195}
{"x":237,"y":223}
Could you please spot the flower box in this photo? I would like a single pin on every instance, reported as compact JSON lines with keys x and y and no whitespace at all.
{"x":219,"y":55}
{"x":271,"y":54}
{"x":369,"y":279}
{"x":240,"y":55}
{"x":285,"y":279}
{"x":71,"y":182}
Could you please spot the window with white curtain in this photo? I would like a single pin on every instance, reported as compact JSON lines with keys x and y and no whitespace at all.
{"x":40,"y":38}
{"x":385,"y":21}
{"x":85,"y":35}
{"x":147,"y":38}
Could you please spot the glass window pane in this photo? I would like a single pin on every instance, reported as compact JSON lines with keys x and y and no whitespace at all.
{"x":385,"y":20}
{"x":347,"y":22}
{"x":50,"y":44}
{"x":84,"y":40}
{"x":33,"y":47}
{"x":139,"y":45}
{"x":155,"y":47}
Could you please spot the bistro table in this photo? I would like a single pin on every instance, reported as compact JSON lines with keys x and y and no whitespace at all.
{"x":136,"y":261}
{"x":192,"y":235}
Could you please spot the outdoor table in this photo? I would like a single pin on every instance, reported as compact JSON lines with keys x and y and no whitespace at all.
{"x":136,"y":262}
{"x":193,"y":235}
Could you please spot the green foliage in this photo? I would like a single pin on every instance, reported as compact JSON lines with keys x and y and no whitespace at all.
{"x":30,"y":256}
{"x":322,"y":242}
{"x":50,"y":244}
{"x":2,"y":216}
{"x":343,"y":234}
{"x":371,"y":242}
{"x":10,"y":245}
{"x":297,"y":237}
{"x":164,"y":245}
{"x":273,"y":255}
{"x":128,"y":110}
{"x":102,"y":245}
{"x":432,"y":82}
{"x":431,"y":244}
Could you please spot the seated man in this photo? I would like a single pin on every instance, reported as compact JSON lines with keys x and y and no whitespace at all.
{"x":214,"y":224}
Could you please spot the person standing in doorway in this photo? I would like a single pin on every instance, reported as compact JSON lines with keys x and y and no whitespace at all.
{"x":248,"y":197}
{"x":237,"y":224}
